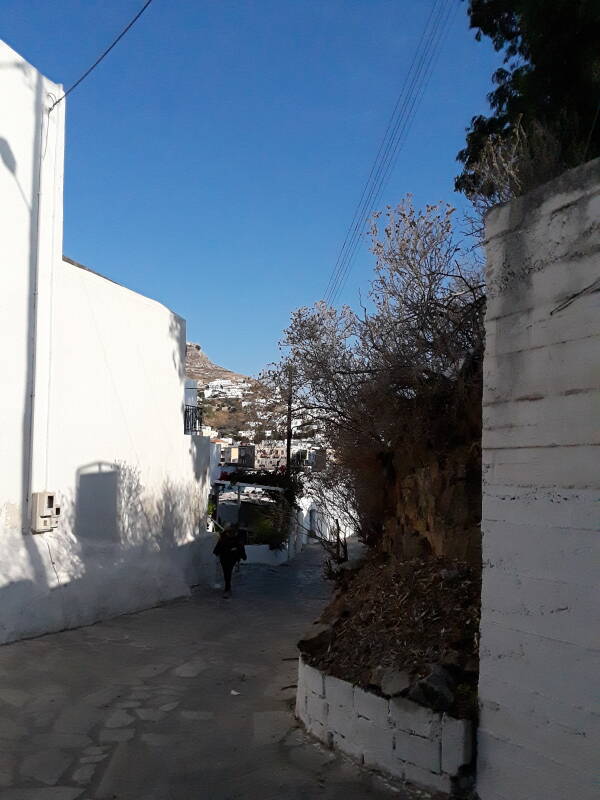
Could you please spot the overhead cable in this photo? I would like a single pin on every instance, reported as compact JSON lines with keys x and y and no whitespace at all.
{"x":383,"y":146}
{"x":405,"y":109}
{"x":409,"y":108}
{"x":104,"y":54}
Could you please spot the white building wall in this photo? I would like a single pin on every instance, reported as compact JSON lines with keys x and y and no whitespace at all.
{"x":323,"y":517}
{"x":31,"y":163}
{"x":215,"y":461}
{"x":539,"y":733}
{"x":91,"y":406}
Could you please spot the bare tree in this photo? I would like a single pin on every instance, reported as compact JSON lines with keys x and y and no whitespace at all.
{"x":378,"y":385}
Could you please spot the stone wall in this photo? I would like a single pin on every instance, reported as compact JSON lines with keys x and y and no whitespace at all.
{"x":396,"y":736}
{"x":539,"y":734}
{"x":435,"y":477}
{"x":438,"y":508}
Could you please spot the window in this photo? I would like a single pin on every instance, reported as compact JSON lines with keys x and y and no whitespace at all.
{"x":192,"y":419}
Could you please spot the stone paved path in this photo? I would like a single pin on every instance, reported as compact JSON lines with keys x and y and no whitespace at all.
{"x":189,"y":701}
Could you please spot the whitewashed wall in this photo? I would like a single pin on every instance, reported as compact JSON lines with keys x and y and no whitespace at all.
{"x":31,"y":161}
{"x":539,"y":734}
{"x":215,"y":460}
{"x":91,"y":406}
{"x":324,"y":517}
{"x":395,"y":736}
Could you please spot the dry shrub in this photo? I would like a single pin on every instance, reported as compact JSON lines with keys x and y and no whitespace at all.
{"x":396,"y":389}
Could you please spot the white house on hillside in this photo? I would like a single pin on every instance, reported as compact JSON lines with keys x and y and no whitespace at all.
{"x":226,"y":388}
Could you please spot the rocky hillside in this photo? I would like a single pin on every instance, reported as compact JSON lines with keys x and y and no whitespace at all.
{"x":230,"y":415}
{"x":199,"y":367}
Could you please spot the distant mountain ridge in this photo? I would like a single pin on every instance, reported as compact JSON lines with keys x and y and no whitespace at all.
{"x":198,"y":366}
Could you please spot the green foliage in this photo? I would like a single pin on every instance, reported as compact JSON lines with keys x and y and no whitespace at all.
{"x":212,"y":508}
{"x":267,"y":531}
{"x":266,"y":524}
{"x":550,"y":80}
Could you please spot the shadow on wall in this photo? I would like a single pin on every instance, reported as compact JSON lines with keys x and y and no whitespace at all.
{"x":30,"y":311}
{"x":7,"y":155}
{"x":113,"y":511}
{"x":10,"y":162}
{"x":96,"y":517}
{"x":177,"y":331}
{"x":119,"y":548}
{"x":200,"y":455}
{"x":145,"y":540}
{"x":17,"y":596}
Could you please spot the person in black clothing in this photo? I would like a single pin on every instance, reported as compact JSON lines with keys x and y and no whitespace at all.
{"x":230,"y":549}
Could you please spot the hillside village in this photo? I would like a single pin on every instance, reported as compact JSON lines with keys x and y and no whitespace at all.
{"x":246,"y":421}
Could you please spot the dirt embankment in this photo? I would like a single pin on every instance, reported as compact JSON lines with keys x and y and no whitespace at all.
{"x":419,"y":618}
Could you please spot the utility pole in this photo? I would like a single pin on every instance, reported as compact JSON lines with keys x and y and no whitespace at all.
{"x":289,"y":423}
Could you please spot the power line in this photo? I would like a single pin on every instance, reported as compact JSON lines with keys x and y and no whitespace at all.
{"x":410,"y":94}
{"x":104,"y":54}
{"x":382,"y":146}
{"x":413,"y":98}
{"x":404,"y":106}
{"x":402,"y":116}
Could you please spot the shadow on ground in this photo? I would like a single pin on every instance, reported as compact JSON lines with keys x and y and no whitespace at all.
{"x":189,"y":700}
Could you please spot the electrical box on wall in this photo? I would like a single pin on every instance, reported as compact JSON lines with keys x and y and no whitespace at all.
{"x":45,"y":514}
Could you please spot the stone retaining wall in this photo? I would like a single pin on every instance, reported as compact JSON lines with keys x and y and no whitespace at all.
{"x":396,"y":736}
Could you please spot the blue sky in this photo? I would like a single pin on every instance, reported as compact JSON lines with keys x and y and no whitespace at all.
{"x":215,"y":158}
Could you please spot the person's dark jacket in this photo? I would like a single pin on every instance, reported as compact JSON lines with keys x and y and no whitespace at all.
{"x":230,"y":547}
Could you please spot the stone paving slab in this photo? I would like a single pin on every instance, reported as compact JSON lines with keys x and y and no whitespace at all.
{"x":188,"y":700}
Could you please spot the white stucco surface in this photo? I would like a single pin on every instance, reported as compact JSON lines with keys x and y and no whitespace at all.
{"x":91,"y":407}
{"x":262,"y":554}
{"x":31,"y":163}
{"x":539,"y":734}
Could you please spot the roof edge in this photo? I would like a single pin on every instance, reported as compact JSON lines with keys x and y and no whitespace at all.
{"x":121,"y":285}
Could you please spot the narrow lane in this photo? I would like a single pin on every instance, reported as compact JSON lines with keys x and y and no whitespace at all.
{"x":189,"y":700}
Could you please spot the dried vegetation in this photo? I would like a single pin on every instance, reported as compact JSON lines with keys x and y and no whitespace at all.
{"x":407,"y":616}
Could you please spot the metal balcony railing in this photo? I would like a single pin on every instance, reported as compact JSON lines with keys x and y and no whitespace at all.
{"x":192,"y":419}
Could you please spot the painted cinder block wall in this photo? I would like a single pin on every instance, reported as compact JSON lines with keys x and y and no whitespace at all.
{"x":395,"y":736}
{"x":539,"y":735}
{"x":91,"y":406}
